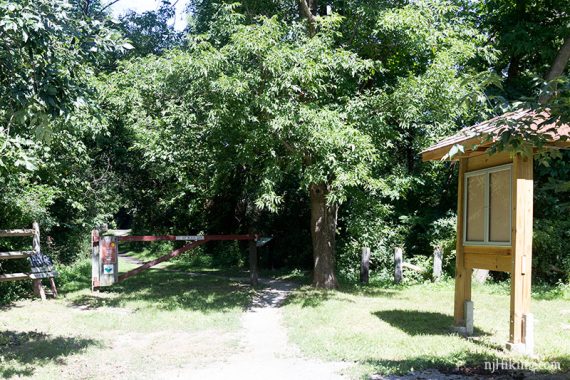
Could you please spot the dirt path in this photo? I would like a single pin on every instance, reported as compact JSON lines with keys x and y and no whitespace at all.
{"x":265,"y":351}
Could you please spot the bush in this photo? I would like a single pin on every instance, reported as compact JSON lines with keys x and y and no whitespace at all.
{"x":551,"y":261}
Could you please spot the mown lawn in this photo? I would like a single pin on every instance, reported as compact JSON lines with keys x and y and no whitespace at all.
{"x":136,"y":329}
{"x":398,"y":329}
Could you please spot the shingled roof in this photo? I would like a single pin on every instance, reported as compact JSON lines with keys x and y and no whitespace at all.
{"x":483,"y":135}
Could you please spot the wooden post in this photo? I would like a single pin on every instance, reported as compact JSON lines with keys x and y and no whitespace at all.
{"x":95,"y":270}
{"x":37,"y":283}
{"x":53,"y":287}
{"x":253,"y":270}
{"x":398,"y":261}
{"x":462,"y":274}
{"x":365,"y":266}
{"x":437,"y":262}
{"x":521,"y":253}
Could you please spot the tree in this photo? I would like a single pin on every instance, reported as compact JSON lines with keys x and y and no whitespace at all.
{"x":270,"y":104}
{"x":527,"y":35}
{"x":47,"y":52}
{"x":151,"y":32}
{"x":273,"y":102}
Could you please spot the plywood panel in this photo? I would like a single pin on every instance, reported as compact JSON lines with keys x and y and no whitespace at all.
{"x":500,"y":206}
{"x":476,"y":208}
{"x":496,"y":262}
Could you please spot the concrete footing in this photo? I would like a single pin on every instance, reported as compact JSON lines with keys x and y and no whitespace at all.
{"x":468,"y":317}
{"x":468,"y":328}
{"x":526,"y":347}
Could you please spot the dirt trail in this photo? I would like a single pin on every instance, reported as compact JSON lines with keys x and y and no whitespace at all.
{"x":265,"y":350}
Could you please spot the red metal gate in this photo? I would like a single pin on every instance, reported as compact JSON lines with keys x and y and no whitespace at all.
{"x":105,"y":254}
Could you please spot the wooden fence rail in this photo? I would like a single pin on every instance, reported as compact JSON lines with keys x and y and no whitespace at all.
{"x":41,"y":266}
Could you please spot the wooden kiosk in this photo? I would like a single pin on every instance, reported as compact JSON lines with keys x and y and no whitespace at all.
{"x":494,"y":219}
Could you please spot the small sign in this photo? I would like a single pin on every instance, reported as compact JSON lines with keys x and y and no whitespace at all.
{"x":41,"y":264}
{"x":262,"y":241}
{"x":190,"y":237}
{"x":109,"y":251}
{"x":108,"y":269}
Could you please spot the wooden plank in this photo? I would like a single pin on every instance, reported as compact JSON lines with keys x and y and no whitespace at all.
{"x":21,"y":232}
{"x":489,"y":249}
{"x":488,"y":261}
{"x":439,"y":153}
{"x":38,"y":276}
{"x":15,"y":255}
{"x":485,"y":161}
{"x":521,"y":263}
{"x":14,"y":277}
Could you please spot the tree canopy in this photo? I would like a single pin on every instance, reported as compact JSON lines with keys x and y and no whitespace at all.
{"x":300,"y":119}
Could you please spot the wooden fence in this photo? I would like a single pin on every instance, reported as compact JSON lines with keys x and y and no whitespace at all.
{"x":41,"y":265}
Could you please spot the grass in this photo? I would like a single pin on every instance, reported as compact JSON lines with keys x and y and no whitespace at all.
{"x":158,"y":320}
{"x":394,"y":330}
{"x":168,"y":318}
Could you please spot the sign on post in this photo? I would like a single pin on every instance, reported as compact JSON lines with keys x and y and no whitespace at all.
{"x":105,"y":261}
{"x":108,"y":249}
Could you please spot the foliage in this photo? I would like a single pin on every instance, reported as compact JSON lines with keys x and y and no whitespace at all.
{"x":151,"y":32}
{"x":48,"y":169}
{"x":223,"y":128}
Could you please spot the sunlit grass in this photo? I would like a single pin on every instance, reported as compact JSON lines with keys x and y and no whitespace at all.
{"x":156,"y":320}
{"x":398,"y":329}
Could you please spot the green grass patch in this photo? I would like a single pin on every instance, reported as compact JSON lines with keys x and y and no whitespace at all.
{"x":396,"y":329}
{"x":158,"y":320}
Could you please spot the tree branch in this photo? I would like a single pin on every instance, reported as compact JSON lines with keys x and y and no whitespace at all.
{"x":108,"y":5}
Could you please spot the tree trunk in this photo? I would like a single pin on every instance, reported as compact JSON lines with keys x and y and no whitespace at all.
{"x":560,"y":62}
{"x":514,"y":68}
{"x":558,"y":66}
{"x":306,"y":9}
{"x":323,"y":231}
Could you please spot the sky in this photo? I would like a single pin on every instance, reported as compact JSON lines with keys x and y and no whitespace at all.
{"x":122,"y":6}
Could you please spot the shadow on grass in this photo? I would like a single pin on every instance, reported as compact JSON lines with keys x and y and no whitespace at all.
{"x":475,"y":365}
{"x":168,"y":290}
{"x":371,"y":291}
{"x":307,"y":296}
{"x":23,"y":352}
{"x":416,"y":322}
{"x":460,"y":363}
